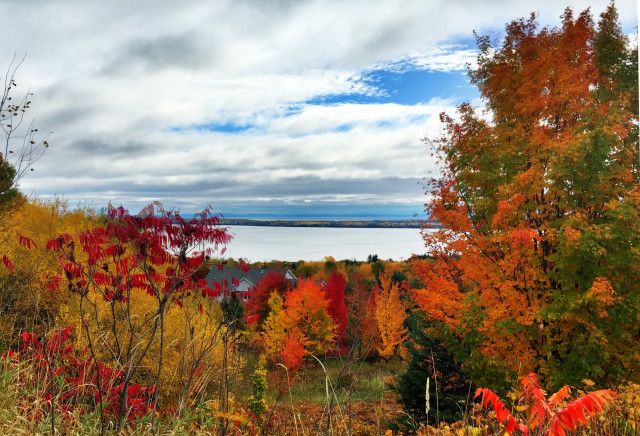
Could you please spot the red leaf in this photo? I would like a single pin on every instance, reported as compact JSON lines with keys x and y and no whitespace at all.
{"x":489,"y":398}
{"x":579,"y":411}
{"x":7,"y":263}
{"x":531,"y":390}
{"x":29,"y":339}
{"x":27,"y":242}
{"x":53,"y":284}
{"x":244,"y":266}
{"x":558,"y":397}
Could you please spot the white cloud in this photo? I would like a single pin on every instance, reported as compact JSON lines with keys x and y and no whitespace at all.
{"x":446,"y":58}
{"x":112,"y":78}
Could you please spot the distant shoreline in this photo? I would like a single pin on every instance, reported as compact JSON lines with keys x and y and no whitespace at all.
{"x":380,"y":224}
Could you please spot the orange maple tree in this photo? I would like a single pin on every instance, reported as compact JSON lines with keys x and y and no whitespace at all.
{"x":362,"y":326}
{"x":306,"y":309}
{"x":298,"y":326}
{"x":540,"y":207}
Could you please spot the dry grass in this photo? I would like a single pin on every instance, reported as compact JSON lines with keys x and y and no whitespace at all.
{"x":23,"y":411}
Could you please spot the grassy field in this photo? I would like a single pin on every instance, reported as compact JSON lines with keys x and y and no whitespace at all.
{"x":356,"y":398}
{"x":360,"y":381}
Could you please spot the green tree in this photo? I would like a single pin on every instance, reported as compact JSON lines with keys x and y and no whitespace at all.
{"x":233,"y":312}
{"x":258,"y":400}
{"x":8,"y":192}
{"x":428,"y":358}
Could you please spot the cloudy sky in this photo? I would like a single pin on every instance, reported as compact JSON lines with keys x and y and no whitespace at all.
{"x":259,"y":108}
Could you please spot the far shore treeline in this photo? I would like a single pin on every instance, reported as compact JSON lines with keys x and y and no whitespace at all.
{"x":382,"y":224}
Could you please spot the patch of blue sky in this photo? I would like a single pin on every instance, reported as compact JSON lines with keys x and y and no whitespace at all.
{"x":407,"y":87}
{"x":343,"y":128}
{"x":292,"y":109}
{"x":231,"y":127}
{"x":221,"y":127}
{"x":401,"y":83}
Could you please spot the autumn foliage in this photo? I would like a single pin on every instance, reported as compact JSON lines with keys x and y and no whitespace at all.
{"x":306,"y":307}
{"x":125,"y":277}
{"x":390,"y":315}
{"x":337,"y":309}
{"x":362,"y":324}
{"x":64,"y":378}
{"x":258,"y":305}
{"x":555,"y":415}
{"x":300,"y":325}
{"x":540,"y":207}
{"x":293,"y":350}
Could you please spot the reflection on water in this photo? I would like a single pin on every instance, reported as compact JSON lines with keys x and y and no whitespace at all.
{"x":314,"y":243}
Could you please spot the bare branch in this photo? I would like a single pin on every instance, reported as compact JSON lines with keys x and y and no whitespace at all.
{"x":22,"y":143}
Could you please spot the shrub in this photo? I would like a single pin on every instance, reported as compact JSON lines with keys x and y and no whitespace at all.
{"x":555,"y":415}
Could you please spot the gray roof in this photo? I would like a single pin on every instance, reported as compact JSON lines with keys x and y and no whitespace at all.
{"x":228,"y":273}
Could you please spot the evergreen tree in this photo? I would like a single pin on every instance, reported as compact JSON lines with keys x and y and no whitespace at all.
{"x":233,"y":312}
{"x":429,"y":359}
{"x":258,"y":400}
{"x":8,"y":192}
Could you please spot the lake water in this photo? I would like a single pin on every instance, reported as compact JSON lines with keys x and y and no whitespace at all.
{"x":256,"y":243}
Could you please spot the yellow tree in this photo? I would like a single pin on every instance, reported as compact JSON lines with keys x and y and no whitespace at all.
{"x":24,"y":230}
{"x":390,"y":315}
{"x":274,"y":326}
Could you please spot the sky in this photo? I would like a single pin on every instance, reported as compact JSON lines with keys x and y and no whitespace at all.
{"x":265,"y":108}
